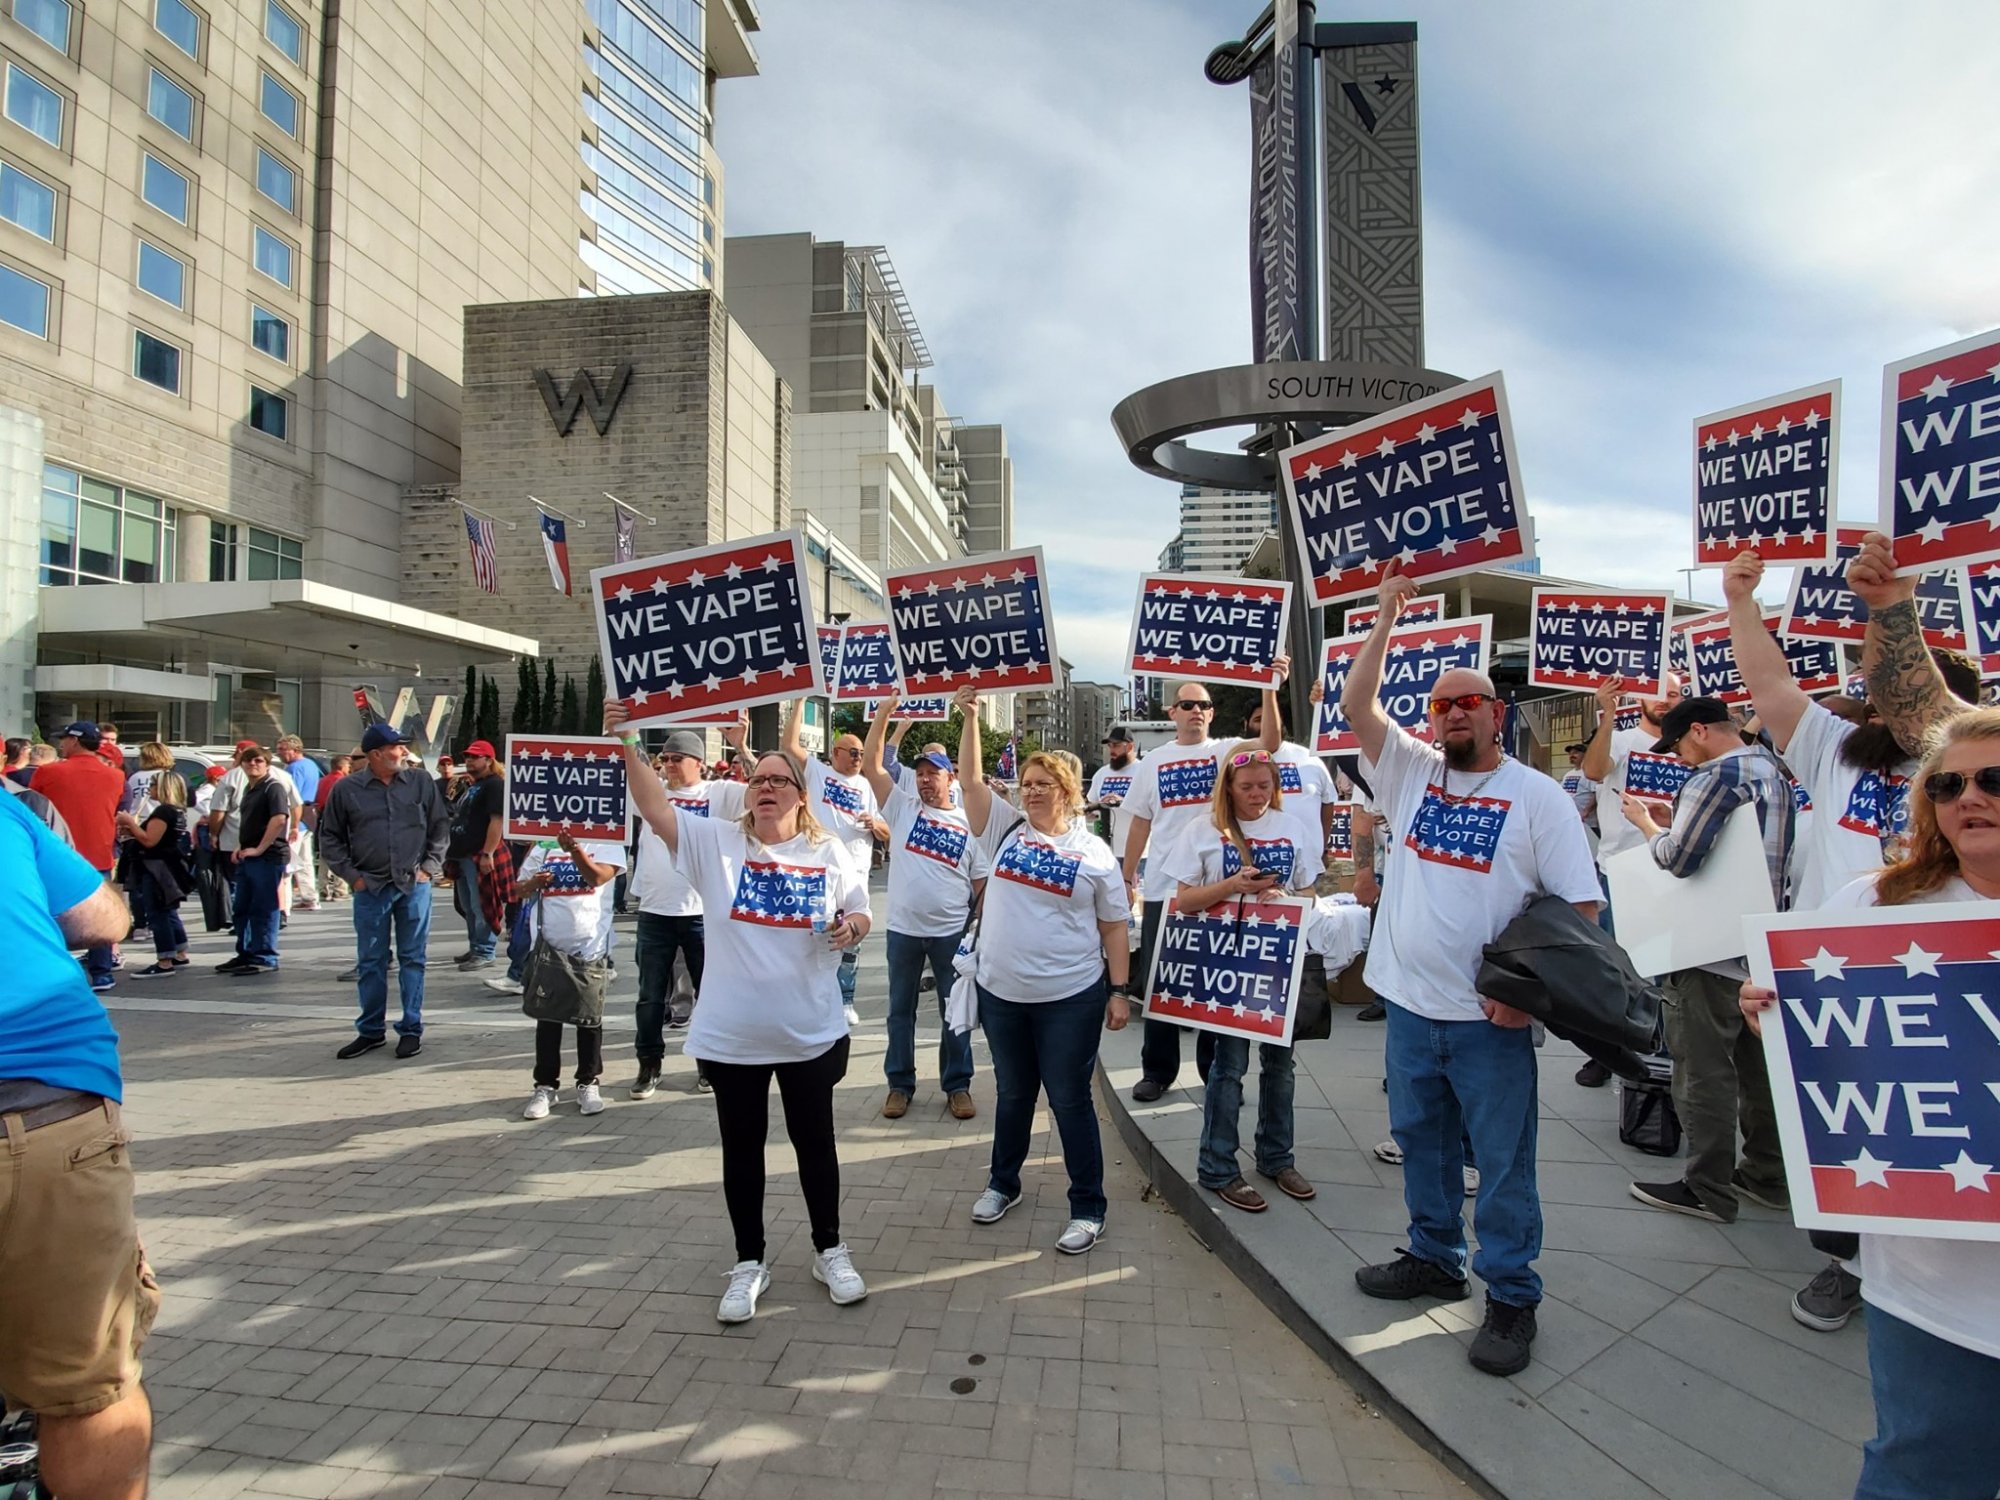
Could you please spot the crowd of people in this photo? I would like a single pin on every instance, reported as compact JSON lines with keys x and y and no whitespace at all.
{"x":1025,"y":920}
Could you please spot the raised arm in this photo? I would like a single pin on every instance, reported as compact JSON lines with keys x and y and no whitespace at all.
{"x":1904,"y":684}
{"x":649,"y":798}
{"x":971,"y":767}
{"x":871,"y":756}
{"x":1597,"y":754}
{"x":737,"y":737}
{"x":1273,"y":734}
{"x":1779,"y":699}
{"x":795,"y":736}
{"x":1361,"y":699}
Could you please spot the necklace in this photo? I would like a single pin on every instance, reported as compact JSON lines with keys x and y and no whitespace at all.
{"x":1444,"y":784}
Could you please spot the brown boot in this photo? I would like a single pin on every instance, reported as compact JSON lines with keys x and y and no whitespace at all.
{"x":1291,"y":1183}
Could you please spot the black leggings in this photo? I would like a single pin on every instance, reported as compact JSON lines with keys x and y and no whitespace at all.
{"x":743,"y":1110}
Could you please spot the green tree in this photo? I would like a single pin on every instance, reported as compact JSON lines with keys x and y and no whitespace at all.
{"x":489,"y":712}
{"x":468,"y":709}
{"x":571,"y":721}
{"x":545,"y":722}
{"x":593,"y":696}
{"x":527,"y":698}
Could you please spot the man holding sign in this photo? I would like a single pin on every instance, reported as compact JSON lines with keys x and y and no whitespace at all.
{"x":1482,"y":836}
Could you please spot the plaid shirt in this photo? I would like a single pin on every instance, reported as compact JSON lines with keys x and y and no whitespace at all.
{"x":1751,"y":774}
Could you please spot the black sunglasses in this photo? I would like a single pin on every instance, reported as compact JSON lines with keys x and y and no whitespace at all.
{"x":1193,"y":703}
{"x":1948,"y":786}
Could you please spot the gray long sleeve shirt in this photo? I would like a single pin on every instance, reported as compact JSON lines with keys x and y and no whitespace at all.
{"x":383,"y":832}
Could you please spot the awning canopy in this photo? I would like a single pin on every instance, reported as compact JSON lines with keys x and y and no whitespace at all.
{"x":93,"y":680}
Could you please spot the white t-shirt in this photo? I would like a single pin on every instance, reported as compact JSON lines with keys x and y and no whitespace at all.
{"x":1115,"y":781}
{"x":1282,"y":841}
{"x":1614,"y":830}
{"x":845,"y":805}
{"x":228,"y":800}
{"x":659,"y":888}
{"x":1472,"y":850}
{"x":933,"y":860}
{"x":1172,"y":786}
{"x":1305,"y":781}
{"x":1038,"y":937}
{"x":573,"y":914}
{"x":769,"y":988}
{"x":1858,"y":817}
{"x":1948,"y":1288}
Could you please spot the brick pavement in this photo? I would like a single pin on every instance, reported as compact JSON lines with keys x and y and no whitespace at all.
{"x":381,"y":1283}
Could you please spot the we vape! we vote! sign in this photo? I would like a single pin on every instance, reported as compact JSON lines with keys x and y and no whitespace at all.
{"x":1211,"y":629}
{"x":1417,"y":654}
{"x":1416,"y":609}
{"x":1764,"y":478}
{"x":1822,"y":607}
{"x":979,"y":622}
{"x":562,"y":783}
{"x":1580,"y":638}
{"x":866,"y":672}
{"x":1232,"y":969}
{"x":1941,"y":454}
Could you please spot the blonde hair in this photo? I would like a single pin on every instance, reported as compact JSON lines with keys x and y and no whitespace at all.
{"x":169,"y":790}
{"x":810,"y":826}
{"x":154,"y":756}
{"x":1222,"y":809}
{"x":1931,"y":861}
{"x":1067,"y":773}
{"x":292,"y":742}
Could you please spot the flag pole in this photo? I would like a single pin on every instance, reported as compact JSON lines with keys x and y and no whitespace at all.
{"x":633,"y":509}
{"x":545,"y":507}
{"x":483,"y":515}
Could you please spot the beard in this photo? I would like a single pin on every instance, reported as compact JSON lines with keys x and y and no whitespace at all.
{"x":1120,"y":759}
{"x":1872,"y":747}
{"x":1462,"y":755}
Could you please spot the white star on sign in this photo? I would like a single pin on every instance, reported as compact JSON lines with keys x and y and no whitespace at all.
{"x":1490,"y":535}
{"x":1756,"y":431}
{"x":1597,"y":608}
{"x":772,"y":563}
{"x":1995,"y":374}
{"x":660,"y":584}
{"x":675,"y":689}
{"x":1386,"y":446}
{"x":733,"y":572}
{"x":1003,"y":669}
{"x":1935,"y":391}
{"x":624,"y":593}
{"x":1993,"y":519}
{"x":1811,"y":422}
{"x":750,"y":676}
{"x":712,"y":682}
{"x":1807,"y":535}
{"x":988,"y":580}
{"x":1468,"y":418}
{"x":1313,"y":471}
{"x":1426,"y":432}
{"x":1967,"y":1175}
{"x":1406,"y":557}
{"x":931,"y":587}
{"x":1915,"y":961}
{"x":958,"y":584}
{"x":641,"y":697}
{"x":1734,"y":435}
{"x":1826,"y":965}
{"x":1019,"y":575}
{"x":548,"y":754}
{"x":1461,"y":640}
{"x":1448,"y":546}
{"x":697,"y":578}
{"x":1932,"y":530}
{"x":903,"y":592}
{"x":1784,"y":425}
{"x":1709,"y":446}
{"x":1348,"y":460}
{"x":569,"y":755}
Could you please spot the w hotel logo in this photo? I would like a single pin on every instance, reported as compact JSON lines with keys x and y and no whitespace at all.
{"x":582,"y":394}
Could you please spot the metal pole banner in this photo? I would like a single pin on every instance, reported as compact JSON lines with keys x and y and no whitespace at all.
{"x":1281,"y":273}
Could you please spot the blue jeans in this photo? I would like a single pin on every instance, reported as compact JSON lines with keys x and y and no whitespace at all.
{"x":376,"y":911}
{"x":1935,"y":1437}
{"x":907,"y":956}
{"x":169,"y":931}
{"x":1049,"y":1046}
{"x":660,"y":939}
{"x":1478,"y":1079}
{"x":257,"y":883}
{"x":1223,"y":1103}
{"x":481,"y":939}
{"x":849,"y":962}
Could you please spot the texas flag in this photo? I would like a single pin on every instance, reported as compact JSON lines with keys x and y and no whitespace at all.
{"x":555,"y":546}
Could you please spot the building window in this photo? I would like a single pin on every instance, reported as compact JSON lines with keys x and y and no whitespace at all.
{"x":270,"y":334}
{"x":24,"y":302}
{"x":27,"y":202}
{"x":47,"y":19}
{"x":280,"y":105}
{"x":156,"y":361}
{"x":164,"y":188}
{"x":274,"y":556}
{"x":272,"y":256}
{"x":221,"y":552}
{"x":285,"y":31}
{"x":277,"y":181}
{"x":162,"y":275}
{"x":270,"y":414}
{"x":179,"y":24}
{"x":170,"y":104}
{"x":33,"y":105}
{"x":93,"y":532}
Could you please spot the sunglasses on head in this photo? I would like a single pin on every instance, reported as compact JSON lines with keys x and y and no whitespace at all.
{"x":1948,"y":786}
{"x":1191,"y":704}
{"x":1251,"y":757}
{"x":1466,"y":701}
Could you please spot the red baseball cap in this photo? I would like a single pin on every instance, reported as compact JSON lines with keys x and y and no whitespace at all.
{"x":246,"y":744}
{"x":481,"y":747}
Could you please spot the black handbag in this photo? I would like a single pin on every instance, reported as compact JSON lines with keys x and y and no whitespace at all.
{"x":558,"y":986}
{"x":1647,"y":1119}
{"x":1314,"y":1022}
{"x":1565,"y":971}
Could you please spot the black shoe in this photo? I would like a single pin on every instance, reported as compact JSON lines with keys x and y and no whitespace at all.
{"x":358,"y":1046}
{"x":467,"y":954}
{"x":409,"y":1046}
{"x":648,"y":1081}
{"x":1410,"y":1276}
{"x":232,"y":965}
{"x":1146,"y":1090}
{"x":246,"y":970}
{"x":1676,"y":1198}
{"x":1826,"y":1302}
{"x":1374,"y":1010}
{"x":1593,"y":1074}
{"x":1501,"y":1346}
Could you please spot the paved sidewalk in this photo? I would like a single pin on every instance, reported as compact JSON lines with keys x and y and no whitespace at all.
{"x":1668,"y":1363}
{"x":381,"y":1283}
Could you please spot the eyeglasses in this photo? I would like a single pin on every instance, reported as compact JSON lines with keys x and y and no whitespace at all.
{"x":1251,"y":757}
{"x":1948,"y":786}
{"x":1193,"y":705}
{"x":1038,"y":786}
{"x":1465,"y":701}
{"x":758,"y":783}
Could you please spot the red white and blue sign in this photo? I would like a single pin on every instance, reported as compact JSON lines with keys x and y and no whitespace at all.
{"x":1580,"y":638}
{"x":1210,"y":629}
{"x":1941,"y":455}
{"x":1417,"y":655}
{"x":1884,"y":1056}
{"x":1655,"y":778}
{"x":1340,"y":832}
{"x":915,"y":710}
{"x":1626,"y":716}
{"x":1431,"y":486}
{"x":1418,"y":609}
{"x":1463,"y":832}
{"x":1816,"y":665}
{"x":1232,"y":969}
{"x":867,"y":669}
{"x":555,"y":547}
{"x":726,"y":626}
{"x":772,"y":894}
{"x":980,"y":622}
{"x":1982,"y":599}
{"x":1764,"y":478}
{"x":558,"y":783}
{"x":828,"y":637}
{"x":1823,"y":608}
{"x":936,"y":839}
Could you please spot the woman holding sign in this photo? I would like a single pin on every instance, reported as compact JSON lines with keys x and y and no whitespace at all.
{"x":1251,"y":848}
{"x":1933,"y":1304}
{"x":1051,"y":927}
{"x":783,"y":902}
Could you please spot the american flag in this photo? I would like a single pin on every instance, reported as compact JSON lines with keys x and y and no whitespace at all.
{"x":485,"y":560}
{"x":1005,"y":766}
{"x":1233,"y":969}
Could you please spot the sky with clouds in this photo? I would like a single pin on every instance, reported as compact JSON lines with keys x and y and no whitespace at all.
{"x":1640,"y":212}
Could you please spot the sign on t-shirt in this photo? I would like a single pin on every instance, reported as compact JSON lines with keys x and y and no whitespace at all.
{"x":932,"y":864}
{"x":574,"y":912}
{"x":1172,"y":786}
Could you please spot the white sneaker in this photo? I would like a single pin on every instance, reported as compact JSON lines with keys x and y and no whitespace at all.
{"x":588,"y":1100}
{"x":853,"y":1018}
{"x":503,"y":984}
{"x":835,"y":1268}
{"x":991,"y":1206}
{"x":539,"y":1104}
{"x":1472,"y":1182}
{"x":1390,"y":1152}
{"x":1079,"y":1235}
{"x":747,"y":1281}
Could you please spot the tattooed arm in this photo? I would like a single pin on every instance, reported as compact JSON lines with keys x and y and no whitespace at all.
{"x":1904,"y":684}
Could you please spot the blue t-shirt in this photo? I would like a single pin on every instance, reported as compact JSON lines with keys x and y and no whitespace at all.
{"x":52,"y":1028}
{"x":305,"y":776}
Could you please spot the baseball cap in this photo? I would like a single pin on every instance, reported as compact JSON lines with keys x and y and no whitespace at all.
{"x":1683,"y":716}
{"x":85,"y":733}
{"x":380,"y":737}
{"x":1119,"y":735}
{"x":1574,"y":749}
{"x":936,"y":758}
{"x":685,"y":742}
{"x":215,"y":773}
{"x":246,"y":744}
{"x":480,"y":747}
